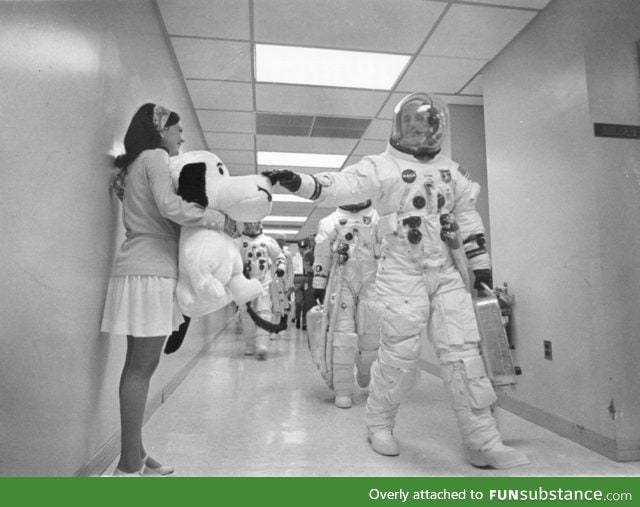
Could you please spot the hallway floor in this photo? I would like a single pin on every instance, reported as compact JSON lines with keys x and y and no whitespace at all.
{"x":237,"y":416}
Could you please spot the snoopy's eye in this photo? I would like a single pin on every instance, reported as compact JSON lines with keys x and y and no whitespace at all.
{"x":221,"y":169}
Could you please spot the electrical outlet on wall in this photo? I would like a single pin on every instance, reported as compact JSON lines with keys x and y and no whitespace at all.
{"x":548,"y":353}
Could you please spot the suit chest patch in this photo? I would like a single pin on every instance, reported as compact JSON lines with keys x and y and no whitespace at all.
{"x":408,"y":176}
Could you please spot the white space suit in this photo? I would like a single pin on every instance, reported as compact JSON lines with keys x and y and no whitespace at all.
{"x":284,"y":285}
{"x":352,"y":230}
{"x":261,"y":256}
{"x":415,"y":189}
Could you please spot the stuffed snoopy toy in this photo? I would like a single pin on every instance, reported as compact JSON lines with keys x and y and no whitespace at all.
{"x":210,"y":265}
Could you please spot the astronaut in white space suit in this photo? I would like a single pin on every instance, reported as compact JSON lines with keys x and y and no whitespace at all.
{"x":349,"y":233}
{"x":286,"y":287}
{"x":426,"y":204}
{"x":261,"y":257}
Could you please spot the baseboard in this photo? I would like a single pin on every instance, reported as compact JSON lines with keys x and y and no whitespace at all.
{"x":97,"y":465}
{"x":593,"y":441}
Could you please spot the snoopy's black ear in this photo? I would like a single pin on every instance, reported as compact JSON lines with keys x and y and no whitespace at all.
{"x":192,"y":186}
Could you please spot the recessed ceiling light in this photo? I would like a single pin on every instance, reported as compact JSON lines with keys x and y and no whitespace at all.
{"x":289,"y":198}
{"x":268,"y":230}
{"x":328,"y":67}
{"x":275,"y":218}
{"x":300,"y":159}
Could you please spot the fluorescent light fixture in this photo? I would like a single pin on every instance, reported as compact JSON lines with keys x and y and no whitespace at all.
{"x":275,"y":218}
{"x":268,"y":230}
{"x":300,"y":159}
{"x":289,"y":198}
{"x":328,"y":67}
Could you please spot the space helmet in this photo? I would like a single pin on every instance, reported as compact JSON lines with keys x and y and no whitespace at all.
{"x":419,"y":125}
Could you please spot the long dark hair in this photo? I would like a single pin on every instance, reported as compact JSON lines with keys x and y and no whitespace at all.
{"x":142,"y":134}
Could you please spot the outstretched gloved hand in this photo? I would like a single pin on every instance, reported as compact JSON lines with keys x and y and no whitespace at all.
{"x":288,"y":179}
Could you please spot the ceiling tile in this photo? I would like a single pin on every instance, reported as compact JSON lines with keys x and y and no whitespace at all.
{"x":296,"y":144}
{"x":212,"y":59}
{"x":310,"y":126}
{"x":207,"y":18}
{"x":379,"y":129}
{"x":318,"y":100}
{"x":341,"y":127}
{"x":476,"y":31}
{"x":236,"y":156}
{"x":367,"y":147}
{"x":228,"y":141}
{"x":225,"y":121}
{"x":530,"y":4}
{"x":375,"y":25}
{"x":434,"y":74}
{"x":474,"y":87}
{"x":284,"y":124}
{"x":240,"y":169}
{"x":225,"y":95}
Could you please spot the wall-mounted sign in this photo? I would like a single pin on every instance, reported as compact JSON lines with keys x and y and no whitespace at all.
{"x":614,"y":130}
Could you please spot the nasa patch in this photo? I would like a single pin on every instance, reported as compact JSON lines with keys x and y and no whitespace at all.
{"x":408,"y":176}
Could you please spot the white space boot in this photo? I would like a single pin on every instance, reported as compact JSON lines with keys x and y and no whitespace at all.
{"x":383,"y":442}
{"x":343,"y":400}
{"x":262,"y":346}
{"x":498,"y":456}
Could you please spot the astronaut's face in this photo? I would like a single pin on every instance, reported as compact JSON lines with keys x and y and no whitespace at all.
{"x":252,"y":228}
{"x":417,"y":125}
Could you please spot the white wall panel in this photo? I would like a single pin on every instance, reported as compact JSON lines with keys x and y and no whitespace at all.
{"x":73,"y":75}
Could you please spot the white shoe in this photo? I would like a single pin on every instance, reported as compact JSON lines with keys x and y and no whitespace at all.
{"x":156,"y":470}
{"x":343,"y":401}
{"x":499,"y":456}
{"x":119,"y":473}
{"x":383,"y":442}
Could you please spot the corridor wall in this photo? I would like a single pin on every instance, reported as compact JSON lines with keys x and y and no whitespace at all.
{"x":565,"y":218}
{"x":73,"y":74}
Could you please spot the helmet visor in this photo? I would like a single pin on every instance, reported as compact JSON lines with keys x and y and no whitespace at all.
{"x":419,"y":124}
{"x":252,"y":228}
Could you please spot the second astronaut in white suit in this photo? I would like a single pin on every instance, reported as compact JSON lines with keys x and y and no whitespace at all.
{"x":349,"y":233}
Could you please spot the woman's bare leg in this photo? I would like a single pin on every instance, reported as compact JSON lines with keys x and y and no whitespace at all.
{"x":143,"y":356}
